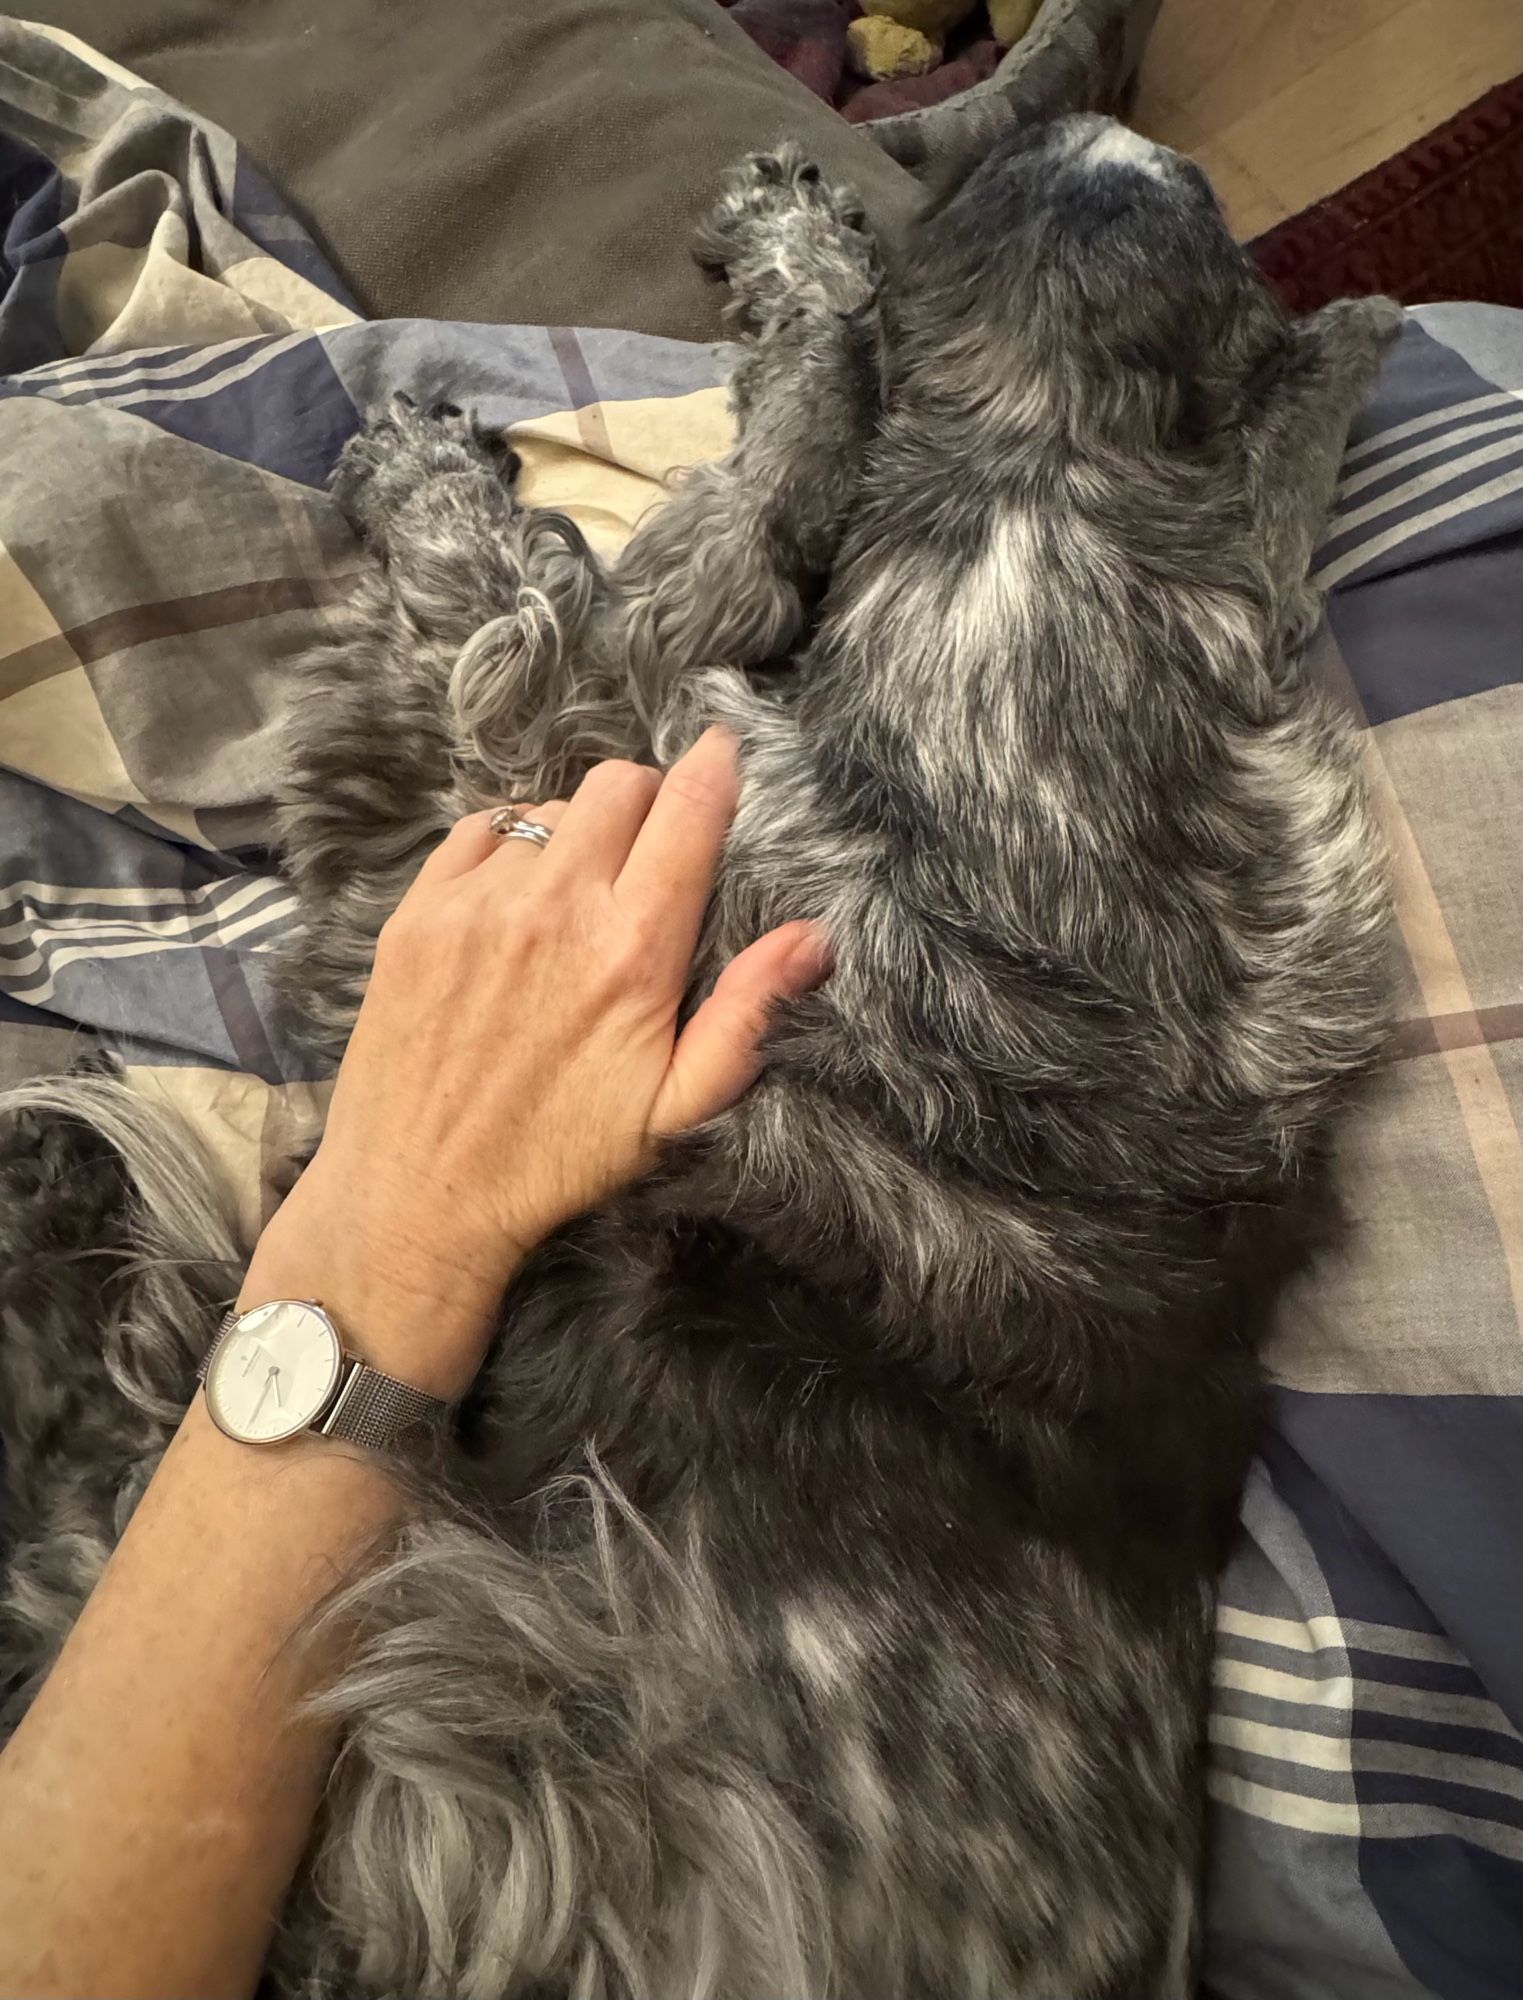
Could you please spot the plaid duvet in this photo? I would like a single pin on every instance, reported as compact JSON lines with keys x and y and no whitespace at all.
{"x":179,"y":369}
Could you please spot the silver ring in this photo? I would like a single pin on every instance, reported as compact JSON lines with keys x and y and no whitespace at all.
{"x":508,"y":823}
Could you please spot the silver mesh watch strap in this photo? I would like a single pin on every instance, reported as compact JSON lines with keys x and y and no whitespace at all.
{"x":225,"y":1326}
{"x":375,"y":1409}
{"x":371,"y":1408}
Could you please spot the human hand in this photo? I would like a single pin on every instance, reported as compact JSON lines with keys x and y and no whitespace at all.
{"x":516,"y":1058}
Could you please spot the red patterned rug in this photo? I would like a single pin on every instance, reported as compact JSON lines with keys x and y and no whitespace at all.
{"x":1442,"y":220}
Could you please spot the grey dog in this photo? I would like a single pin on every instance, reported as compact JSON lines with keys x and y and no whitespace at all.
{"x":816,"y":1597}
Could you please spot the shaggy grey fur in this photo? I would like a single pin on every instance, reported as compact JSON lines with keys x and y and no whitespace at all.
{"x":816,"y":1600}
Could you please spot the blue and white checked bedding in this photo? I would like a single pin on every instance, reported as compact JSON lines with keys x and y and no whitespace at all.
{"x":178,"y":370}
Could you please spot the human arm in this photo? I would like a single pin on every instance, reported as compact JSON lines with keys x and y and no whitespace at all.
{"x":515,"y":1059}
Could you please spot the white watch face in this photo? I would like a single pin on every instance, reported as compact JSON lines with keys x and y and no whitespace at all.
{"x":274,"y":1372}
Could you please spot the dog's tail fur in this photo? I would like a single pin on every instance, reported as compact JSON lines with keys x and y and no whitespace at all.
{"x":548,"y":1776}
{"x":116,"y":1253}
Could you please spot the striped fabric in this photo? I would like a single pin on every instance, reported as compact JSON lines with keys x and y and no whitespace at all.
{"x":1368,"y":1691}
{"x":178,"y":370}
{"x":1366,"y":1765}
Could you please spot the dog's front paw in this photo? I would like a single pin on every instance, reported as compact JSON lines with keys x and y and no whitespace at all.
{"x":1360,"y":329}
{"x":787,"y":241}
{"x":1383,"y":318}
{"x":401,"y":451}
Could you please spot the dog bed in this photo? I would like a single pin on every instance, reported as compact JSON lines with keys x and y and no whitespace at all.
{"x":179,"y":368}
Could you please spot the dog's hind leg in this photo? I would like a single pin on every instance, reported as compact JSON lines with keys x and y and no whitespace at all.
{"x":502,"y":598}
{"x":724,"y":573}
{"x":491,"y":658}
{"x":467,"y":673}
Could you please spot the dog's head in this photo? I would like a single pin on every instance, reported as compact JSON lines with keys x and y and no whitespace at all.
{"x":1084,"y":260}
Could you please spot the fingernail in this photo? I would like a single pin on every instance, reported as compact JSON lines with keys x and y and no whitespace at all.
{"x":810,"y":962}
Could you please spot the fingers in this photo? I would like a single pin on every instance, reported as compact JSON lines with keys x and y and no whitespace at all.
{"x":670,"y":868}
{"x":514,"y":862}
{"x":657,"y":839}
{"x":718,"y":1054}
{"x":599,"y":825}
{"x":471,"y":841}
{"x":466,"y":845}
{"x":550,"y":814}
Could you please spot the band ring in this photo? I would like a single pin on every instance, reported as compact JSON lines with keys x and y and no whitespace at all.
{"x":508,"y":823}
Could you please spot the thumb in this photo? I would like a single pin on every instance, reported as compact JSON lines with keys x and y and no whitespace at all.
{"x":718,"y":1054}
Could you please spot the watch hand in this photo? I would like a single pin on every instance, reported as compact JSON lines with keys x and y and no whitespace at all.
{"x":256,"y":1349}
{"x":269,"y":1382}
{"x":275,"y":1385}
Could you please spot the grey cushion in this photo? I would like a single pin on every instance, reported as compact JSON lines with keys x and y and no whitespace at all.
{"x":540,"y":160}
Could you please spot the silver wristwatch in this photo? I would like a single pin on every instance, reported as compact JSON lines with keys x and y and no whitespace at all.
{"x":281,"y":1368}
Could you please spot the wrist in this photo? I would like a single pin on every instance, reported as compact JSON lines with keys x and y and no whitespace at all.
{"x":400,"y":1304}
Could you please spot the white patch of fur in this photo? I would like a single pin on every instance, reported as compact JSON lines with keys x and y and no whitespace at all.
{"x":1059,"y":809}
{"x":1334,"y":890}
{"x":1119,"y":146}
{"x":995,"y":601}
{"x":868,"y":1799}
{"x":946,"y":631}
{"x":1230,"y":635}
{"x":823,"y":1647}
